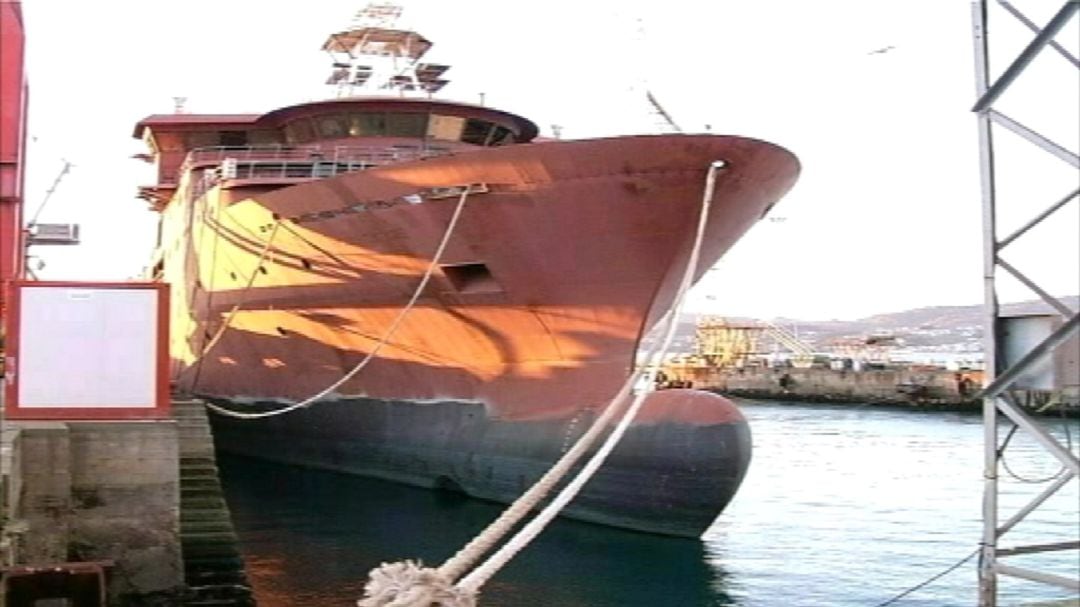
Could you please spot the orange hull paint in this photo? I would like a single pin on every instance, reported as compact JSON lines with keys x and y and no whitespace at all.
{"x":582,"y":244}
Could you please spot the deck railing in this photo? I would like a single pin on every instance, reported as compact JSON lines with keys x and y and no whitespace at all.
{"x":277,"y":162}
{"x":364,"y":156}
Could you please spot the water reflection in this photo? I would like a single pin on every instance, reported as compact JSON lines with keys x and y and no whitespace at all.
{"x":842,"y":507}
{"x":310,"y":538}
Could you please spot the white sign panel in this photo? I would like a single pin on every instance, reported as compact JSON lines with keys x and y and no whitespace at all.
{"x":87,"y":347}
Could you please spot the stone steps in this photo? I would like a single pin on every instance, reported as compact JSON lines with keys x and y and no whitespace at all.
{"x":213,"y":567}
{"x":218,"y":526}
{"x":203,"y":516}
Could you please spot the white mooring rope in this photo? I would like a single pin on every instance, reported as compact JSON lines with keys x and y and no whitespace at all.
{"x":378,"y":345}
{"x":409,"y":584}
{"x":458,"y":564}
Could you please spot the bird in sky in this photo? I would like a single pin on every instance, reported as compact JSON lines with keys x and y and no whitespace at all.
{"x":881,"y":51}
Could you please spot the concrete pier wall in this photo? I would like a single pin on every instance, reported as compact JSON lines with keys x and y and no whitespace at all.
{"x":98,"y":491}
{"x":40,"y":514}
{"x":899,"y":386}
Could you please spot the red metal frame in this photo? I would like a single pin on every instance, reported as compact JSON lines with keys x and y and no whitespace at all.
{"x":42,"y":581}
{"x":160,"y":409}
{"x":13,"y":100}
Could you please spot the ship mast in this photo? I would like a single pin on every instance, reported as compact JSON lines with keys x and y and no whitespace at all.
{"x":374,"y":56}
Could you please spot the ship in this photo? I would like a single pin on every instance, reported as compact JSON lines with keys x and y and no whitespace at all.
{"x":463,"y":296}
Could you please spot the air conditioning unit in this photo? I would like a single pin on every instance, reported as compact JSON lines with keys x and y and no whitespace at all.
{"x":54,"y":233}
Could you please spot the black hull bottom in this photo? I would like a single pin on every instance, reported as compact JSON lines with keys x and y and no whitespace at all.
{"x":670,"y":478}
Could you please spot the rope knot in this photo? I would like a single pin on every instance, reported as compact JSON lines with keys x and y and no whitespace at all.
{"x":410,"y":584}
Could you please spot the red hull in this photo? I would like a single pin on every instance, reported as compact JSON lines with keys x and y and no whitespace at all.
{"x":295,"y":239}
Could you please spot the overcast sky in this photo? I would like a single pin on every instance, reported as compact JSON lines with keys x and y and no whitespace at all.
{"x":886,"y":215}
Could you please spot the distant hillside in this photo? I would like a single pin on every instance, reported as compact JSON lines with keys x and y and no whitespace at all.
{"x":935,"y":328}
{"x":950,"y":327}
{"x":944,"y":317}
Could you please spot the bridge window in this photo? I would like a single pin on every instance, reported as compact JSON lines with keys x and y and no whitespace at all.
{"x":332,"y":127}
{"x":447,"y":128}
{"x":234,"y":138}
{"x":299,"y":131}
{"x":502,"y":136}
{"x":412,"y":125}
{"x":263,"y":137}
{"x":476,"y":131}
{"x":202,"y":139}
{"x":367,"y":125}
{"x":406,"y":125}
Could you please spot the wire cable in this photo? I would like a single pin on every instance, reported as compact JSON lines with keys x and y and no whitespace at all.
{"x":378,"y":345}
{"x":931,"y":580}
{"x":1012,"y":432}
{"x":236,"y":307}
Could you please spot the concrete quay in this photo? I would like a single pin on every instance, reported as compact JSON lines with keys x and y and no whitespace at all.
{"x":96,"y":492}
{"x":128,"y":500}
{"x":909,"y":387}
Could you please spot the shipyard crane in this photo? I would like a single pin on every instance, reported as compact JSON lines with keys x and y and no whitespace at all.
{"x":787,"y":339}
{"x":64,"y":170}
{"x":726,"y":342}
{"x":49,"y":234}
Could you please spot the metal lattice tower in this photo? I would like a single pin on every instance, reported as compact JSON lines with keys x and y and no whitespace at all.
{"x":998,"y":397}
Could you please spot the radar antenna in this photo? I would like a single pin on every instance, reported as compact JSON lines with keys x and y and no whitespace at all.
{"x":375,"y":54}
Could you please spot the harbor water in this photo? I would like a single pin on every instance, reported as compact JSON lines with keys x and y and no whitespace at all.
{"x":842,"y":506}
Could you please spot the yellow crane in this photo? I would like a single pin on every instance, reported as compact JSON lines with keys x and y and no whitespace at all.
{"x":725,"y":342}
